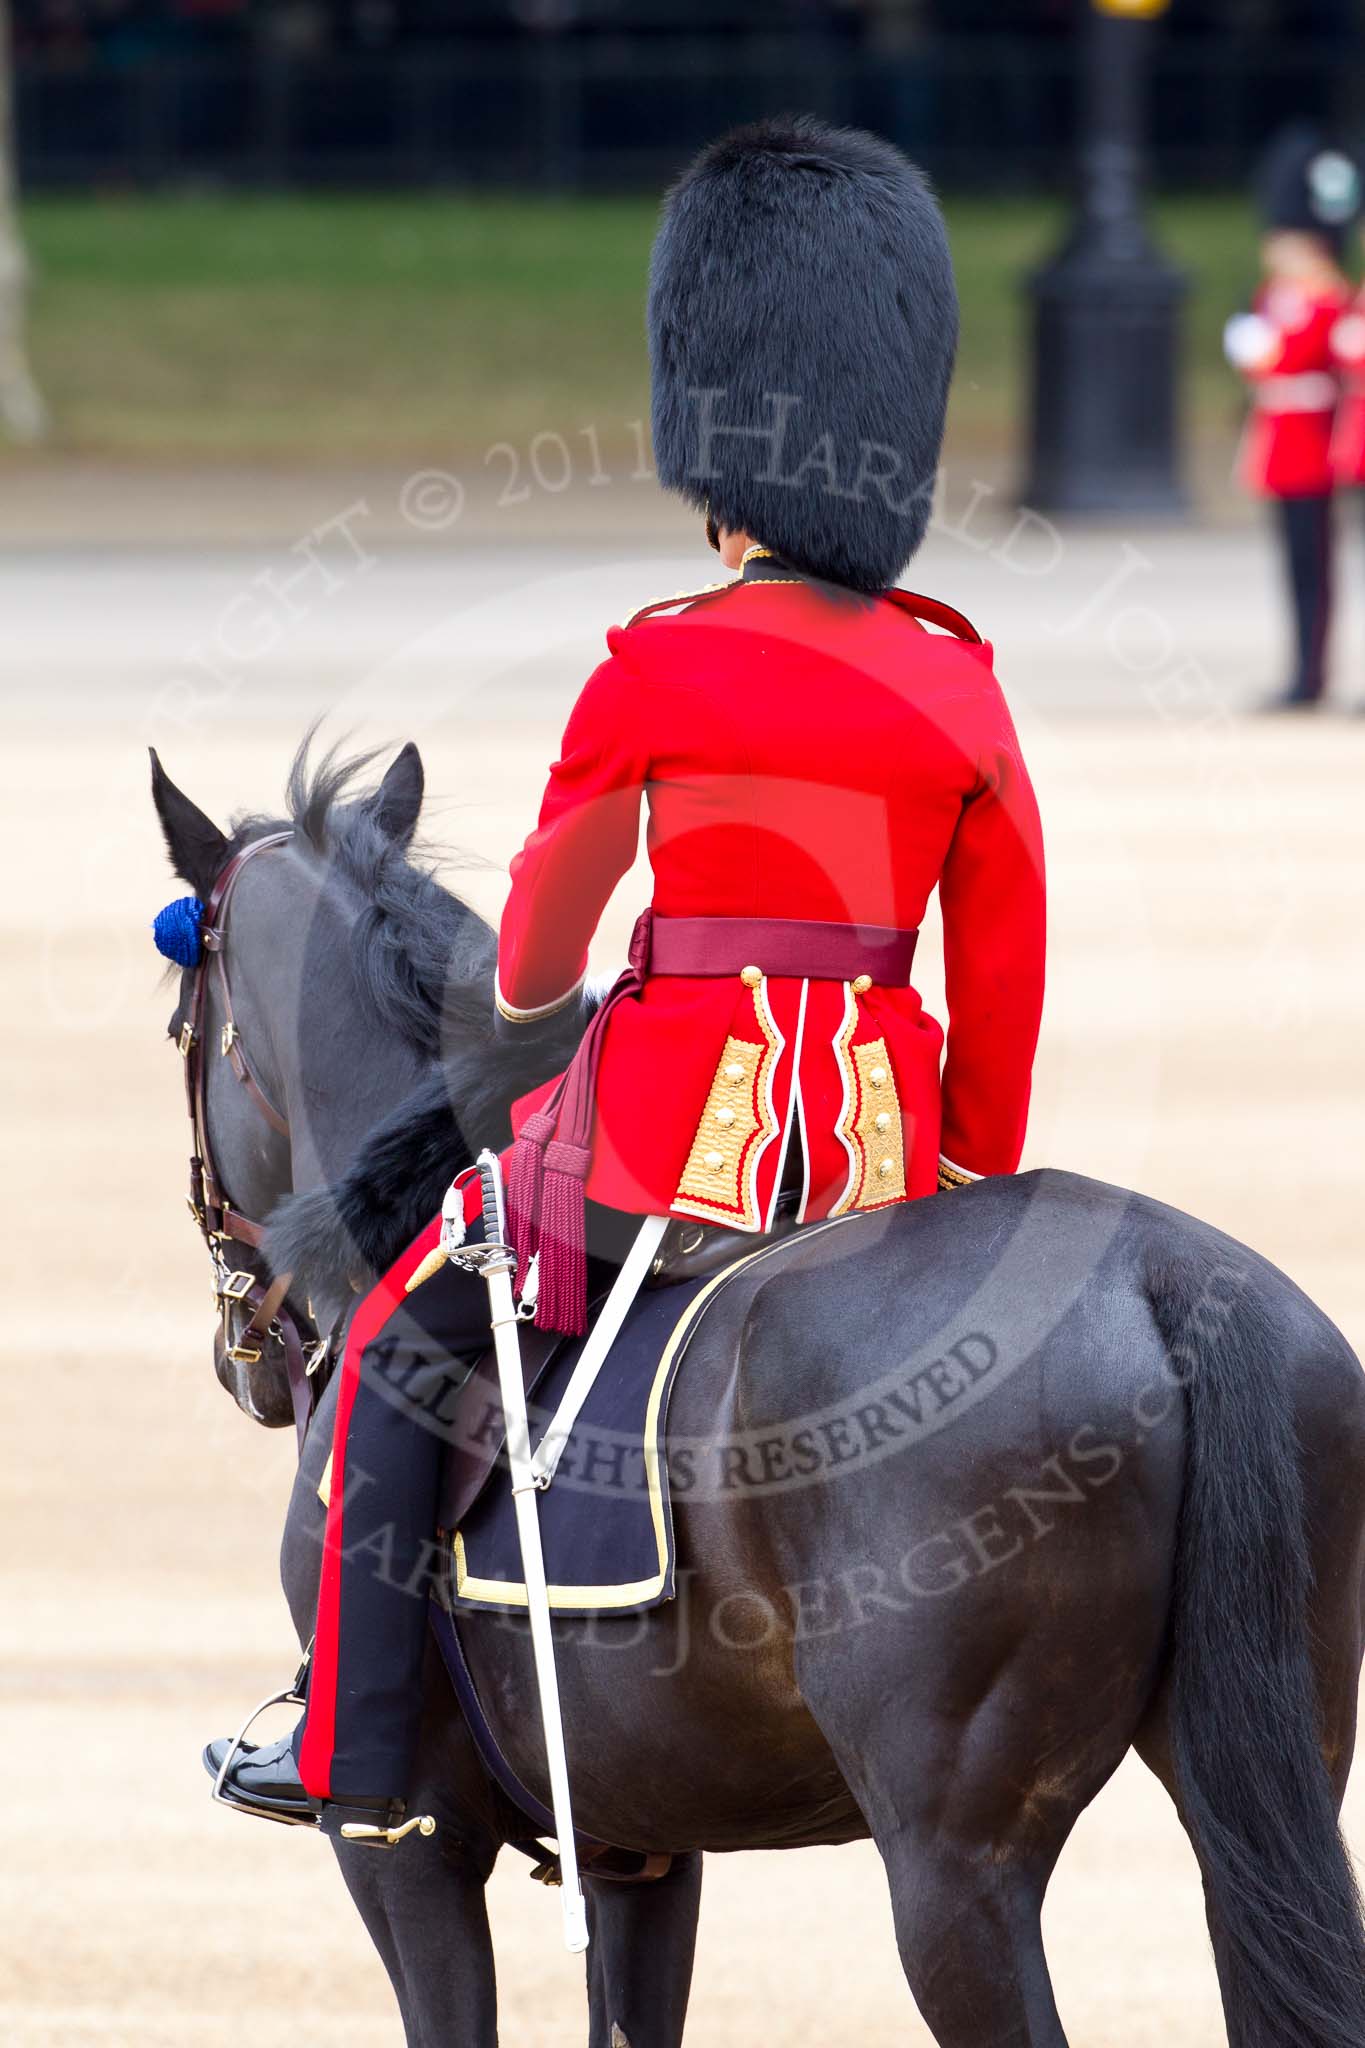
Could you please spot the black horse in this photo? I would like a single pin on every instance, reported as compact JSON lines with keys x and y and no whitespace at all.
{"x":1001,"y":1484}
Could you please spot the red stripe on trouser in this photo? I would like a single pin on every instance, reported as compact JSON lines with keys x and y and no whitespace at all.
{"x":319,"y":1730}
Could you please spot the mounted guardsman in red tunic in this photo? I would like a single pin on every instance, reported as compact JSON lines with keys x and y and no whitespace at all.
{"x":812,"y":758}
{"x":814,"y":752}
{"x":813,"y":765}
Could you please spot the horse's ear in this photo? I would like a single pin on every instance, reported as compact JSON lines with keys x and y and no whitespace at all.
{"x":196,"y":847}
{"x":398,"y":799}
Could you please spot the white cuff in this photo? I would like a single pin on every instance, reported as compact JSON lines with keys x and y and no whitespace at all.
{"x":515,"y":1016}
{"x":951,"y":1176}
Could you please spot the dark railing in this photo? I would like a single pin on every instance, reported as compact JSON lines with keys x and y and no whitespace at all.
{"x":621,"y":112}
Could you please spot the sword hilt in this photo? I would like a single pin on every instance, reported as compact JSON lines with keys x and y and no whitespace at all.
{"x":490,"y":1176}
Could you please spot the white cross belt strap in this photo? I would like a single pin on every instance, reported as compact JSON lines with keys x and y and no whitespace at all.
{"x":593,"y":1356}
{"x":1311,"y":391}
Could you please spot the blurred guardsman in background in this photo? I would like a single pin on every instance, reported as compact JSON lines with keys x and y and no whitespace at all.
{"x":1348,"y":438}
{"x":1309,"y":196}
{"x":815,"y":753}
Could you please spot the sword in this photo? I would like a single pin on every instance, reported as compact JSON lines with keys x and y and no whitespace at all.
{"x":495,"y":1260}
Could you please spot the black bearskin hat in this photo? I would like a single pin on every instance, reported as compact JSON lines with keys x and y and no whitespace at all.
{"x":1308,"y":188}
{"x":802,"y":329}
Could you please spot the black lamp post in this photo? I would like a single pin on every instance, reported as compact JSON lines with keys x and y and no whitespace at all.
{"x":1106,"y":309}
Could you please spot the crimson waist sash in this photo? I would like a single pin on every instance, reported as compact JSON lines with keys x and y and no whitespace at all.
{"x":553,"y":1150}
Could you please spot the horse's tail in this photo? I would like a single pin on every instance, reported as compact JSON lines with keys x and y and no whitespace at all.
{"x":1254,"y":1792}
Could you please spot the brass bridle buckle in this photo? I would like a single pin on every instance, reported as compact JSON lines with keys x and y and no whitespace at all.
{"x":233,"y":1288}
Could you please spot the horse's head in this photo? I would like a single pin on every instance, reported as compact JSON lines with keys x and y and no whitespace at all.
{"x":291,"y":1049}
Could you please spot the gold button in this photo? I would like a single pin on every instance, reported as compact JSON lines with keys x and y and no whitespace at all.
{"x":883,"y":1120}
{"x":715,"y":1160}
{"x":725,"y":1116}
{"x":887,"y":1168}
{"x":862,"y":984}
{"x":751,"y":976}
{"x":877,"y":1077}
{"x":734,"y":1072}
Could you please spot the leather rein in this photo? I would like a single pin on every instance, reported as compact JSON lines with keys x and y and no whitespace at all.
{"x":252,"y":1308}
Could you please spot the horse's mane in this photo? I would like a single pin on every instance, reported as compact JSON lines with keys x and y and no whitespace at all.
{"x":425,"y":964}
{"x":424,"y":960}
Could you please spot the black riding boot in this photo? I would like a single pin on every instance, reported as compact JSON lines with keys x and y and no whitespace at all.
{"x":404,"y":1364}
{"x":405,"y":1359}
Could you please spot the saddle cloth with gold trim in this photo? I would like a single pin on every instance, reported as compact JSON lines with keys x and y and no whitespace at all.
{"x":606,"y":1521}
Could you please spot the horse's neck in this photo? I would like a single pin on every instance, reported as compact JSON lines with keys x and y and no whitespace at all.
{"x":340,"y":1069}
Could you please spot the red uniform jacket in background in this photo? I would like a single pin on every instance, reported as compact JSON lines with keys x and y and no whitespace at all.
{"x":1284,"y":350}
{"x":1348,"y":437}
{"x":799,"y":757}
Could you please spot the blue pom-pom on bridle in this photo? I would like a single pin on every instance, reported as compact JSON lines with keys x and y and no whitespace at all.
{"x":176,"y":930}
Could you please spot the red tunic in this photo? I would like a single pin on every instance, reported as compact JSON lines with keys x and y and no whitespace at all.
{"x":798,"y":758}
{"x":1284,"y":350}
{"x":1348,"y":437}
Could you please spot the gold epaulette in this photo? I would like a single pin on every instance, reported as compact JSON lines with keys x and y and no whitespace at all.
{"x":663,"y":604}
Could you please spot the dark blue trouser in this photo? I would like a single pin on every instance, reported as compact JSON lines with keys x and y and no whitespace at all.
{"x":1306,"y":528}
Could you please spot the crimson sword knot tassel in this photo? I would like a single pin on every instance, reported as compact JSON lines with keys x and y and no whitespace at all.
{"x":562,"y":1303}
{"x":525,"y":1180}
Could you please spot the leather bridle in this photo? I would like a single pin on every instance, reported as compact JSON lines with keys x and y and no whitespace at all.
{"x":252,"y":1308}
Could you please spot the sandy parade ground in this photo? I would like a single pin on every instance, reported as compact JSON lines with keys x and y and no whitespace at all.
{"x":1202,"y":1042}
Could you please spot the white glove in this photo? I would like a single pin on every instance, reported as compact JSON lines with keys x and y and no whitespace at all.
{"x":1249,"y":341}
